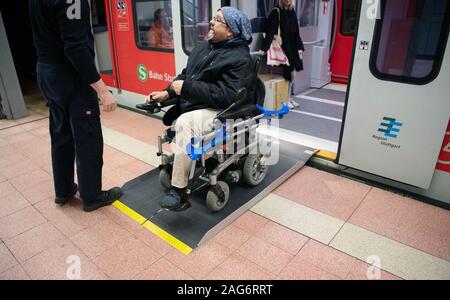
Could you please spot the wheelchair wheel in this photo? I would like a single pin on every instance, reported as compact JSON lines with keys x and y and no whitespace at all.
{"x":165,"y":179}
{"x":254,"y":170}
{"x":218,"y":196}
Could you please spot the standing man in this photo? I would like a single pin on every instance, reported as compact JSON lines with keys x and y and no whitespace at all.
{"x":69,"y":80}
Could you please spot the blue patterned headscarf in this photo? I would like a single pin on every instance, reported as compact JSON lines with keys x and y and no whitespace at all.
{"x":238,"y":22}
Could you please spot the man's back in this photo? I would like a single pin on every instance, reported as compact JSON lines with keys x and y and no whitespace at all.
{"x":56,"y":29}
{"x":62,"y":35}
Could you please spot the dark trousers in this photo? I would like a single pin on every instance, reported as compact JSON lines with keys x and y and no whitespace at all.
{"x":75,"y":131}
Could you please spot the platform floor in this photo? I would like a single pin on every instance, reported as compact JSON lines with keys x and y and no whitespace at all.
{"x":314,"y":226}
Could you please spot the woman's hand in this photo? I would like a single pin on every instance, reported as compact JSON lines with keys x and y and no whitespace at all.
{"x":300,"y":53}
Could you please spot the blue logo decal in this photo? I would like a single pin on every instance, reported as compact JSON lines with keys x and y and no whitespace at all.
{"x":388,"y":127}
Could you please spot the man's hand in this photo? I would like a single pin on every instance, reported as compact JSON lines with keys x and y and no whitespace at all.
{"x":300,"y":53}
{"x":108,"y":101}
{"x":157,"y":97}
{"x":176,"y":86}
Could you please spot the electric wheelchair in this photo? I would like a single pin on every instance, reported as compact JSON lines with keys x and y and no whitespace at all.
{"x":229,"y":153}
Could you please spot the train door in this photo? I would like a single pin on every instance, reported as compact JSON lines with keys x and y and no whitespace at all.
{"x":103,"y":39}
{"x":143,"y":47}
{"x":397,"y":109}
{"x":344,"y":35}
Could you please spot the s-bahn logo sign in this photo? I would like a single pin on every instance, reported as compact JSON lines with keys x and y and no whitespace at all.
{"x":142,"y":72}
{"x":390,"y":128}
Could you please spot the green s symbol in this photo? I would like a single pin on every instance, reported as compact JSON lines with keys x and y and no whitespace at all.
{"x":142,"y":73}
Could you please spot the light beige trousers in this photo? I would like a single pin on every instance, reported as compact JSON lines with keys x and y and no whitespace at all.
{"x":188,"y":125}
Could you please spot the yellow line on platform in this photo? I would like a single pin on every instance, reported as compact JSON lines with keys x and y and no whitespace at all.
{"x":168,"y":238}
{"x":129,"y":212}
{"x":326,"y":155}
{"x":165,"y":236}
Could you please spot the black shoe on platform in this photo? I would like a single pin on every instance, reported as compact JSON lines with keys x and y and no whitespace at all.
{"x":105,"y":198}
{"x":64,"y":200}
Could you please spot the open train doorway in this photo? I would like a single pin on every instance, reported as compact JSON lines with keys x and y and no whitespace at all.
{"x":318,"y":89}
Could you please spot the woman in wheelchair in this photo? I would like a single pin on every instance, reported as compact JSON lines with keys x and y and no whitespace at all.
{"x":219,"y":83}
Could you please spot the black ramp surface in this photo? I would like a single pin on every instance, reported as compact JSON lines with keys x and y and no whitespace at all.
{"x":190,"y":226}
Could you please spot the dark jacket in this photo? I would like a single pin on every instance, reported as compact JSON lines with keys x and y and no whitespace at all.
{"x":290,"y":36}
{"x":59,"y":39}
{"x":213,"y":75}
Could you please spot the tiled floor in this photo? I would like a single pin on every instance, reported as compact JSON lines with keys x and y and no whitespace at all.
{"x":314,"y":226}
{"x":413,"y":223}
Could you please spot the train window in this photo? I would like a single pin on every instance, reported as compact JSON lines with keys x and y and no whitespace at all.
{"x":153,"y":25}
{"x":195,"y":17}
{"x":348,"y":18}
{"x":307,"y":12}
{"x":410,"y":40}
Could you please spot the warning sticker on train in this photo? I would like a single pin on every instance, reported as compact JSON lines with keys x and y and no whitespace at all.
{"x":443,"y":163}
{"x":123,"y":22}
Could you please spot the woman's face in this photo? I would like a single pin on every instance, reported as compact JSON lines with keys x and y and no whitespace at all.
{"x":286,"y":2}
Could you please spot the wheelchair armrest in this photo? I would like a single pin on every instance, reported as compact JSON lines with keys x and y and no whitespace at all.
{"x":239,"y":112}
{"x":154,"y":107}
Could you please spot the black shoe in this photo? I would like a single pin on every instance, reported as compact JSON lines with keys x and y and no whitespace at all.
{"x":176,"y":199}
{"x":64,"y":200}
{"x":105,"y":198}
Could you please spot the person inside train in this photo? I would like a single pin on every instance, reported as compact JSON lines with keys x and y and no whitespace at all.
{"x":160,"y":35}
{"x":216,"y":70}
{"x":284,"y":17}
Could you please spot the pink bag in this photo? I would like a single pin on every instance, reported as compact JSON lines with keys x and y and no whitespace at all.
{"x":275,"y":54}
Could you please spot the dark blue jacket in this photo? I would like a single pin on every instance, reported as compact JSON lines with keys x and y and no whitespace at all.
{"x":61,"y":39}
